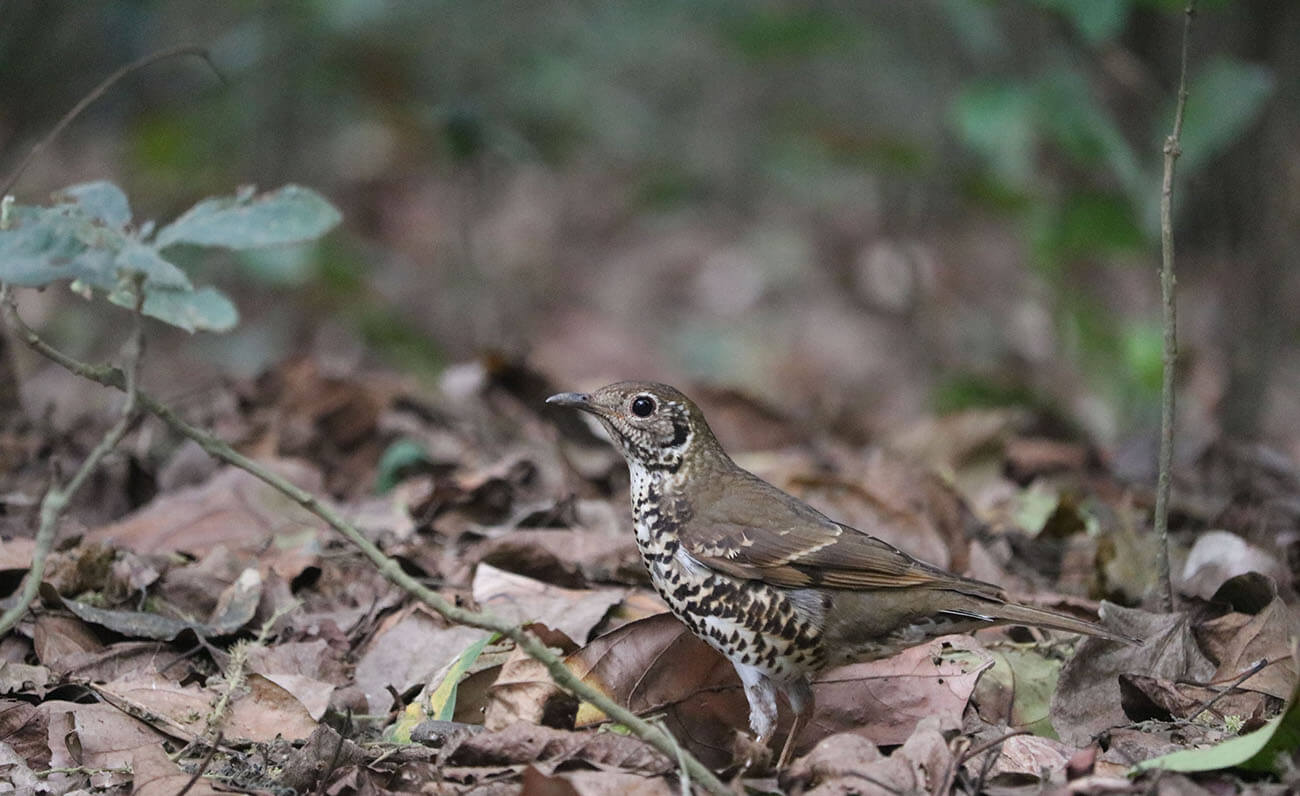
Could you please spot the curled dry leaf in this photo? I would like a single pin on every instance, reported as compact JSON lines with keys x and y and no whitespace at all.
{"x":309,"y":670}
{"x":1087,"y":699}
{"x":1218,"y":555}
{"x":844,"y":764}
{"x":1238,"y":641}
{"x":56,"y":638}
{"x":234,"y":609}
{"x":121,"y":660}
{"x":1146,"y":698}
{"x":566,"y":557}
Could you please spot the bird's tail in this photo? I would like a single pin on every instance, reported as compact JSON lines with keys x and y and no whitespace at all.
{"x":1018,"y":614}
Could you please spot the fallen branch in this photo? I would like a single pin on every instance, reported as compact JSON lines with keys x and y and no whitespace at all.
{"x":389,"y":568}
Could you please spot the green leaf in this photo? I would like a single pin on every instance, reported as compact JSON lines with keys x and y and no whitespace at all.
{"x":397,"y":460}
{"x":290,"y":215}
{"x":137,"y":257}
{"x":103,"y":201}
{"x":442,"y":702}
{"x":206,"y":309}
{"x":44,"y":245}
{"x":1267,"y":749}
{"x":1030,"y":678}
{"x":1224,"y":100}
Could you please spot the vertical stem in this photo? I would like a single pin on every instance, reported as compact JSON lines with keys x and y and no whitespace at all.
{"x":1172,"y":150}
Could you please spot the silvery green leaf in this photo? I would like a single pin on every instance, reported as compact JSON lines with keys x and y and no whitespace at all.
{"x":289,"y":215}
{"x":136,"y":257}
{"x":46,"y":245}
{"x":203,"y":310}
{"x":101,"y":200}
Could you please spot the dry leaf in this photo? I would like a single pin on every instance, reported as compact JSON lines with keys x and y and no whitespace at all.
{"x":528,"y":743}
{"x":261,"y":712}
{"x":523,"y":600}
{"x":1087,"y":698}
{"x":1238,"y":641}
{"x":95,"y":735}
{"x":406,"y":651}
{"x":24,"y":728}
{"x":233,"y":508}
{"x":154,"y":774}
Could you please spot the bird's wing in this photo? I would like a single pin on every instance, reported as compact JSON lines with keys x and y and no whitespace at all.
{"x":756,"y":531}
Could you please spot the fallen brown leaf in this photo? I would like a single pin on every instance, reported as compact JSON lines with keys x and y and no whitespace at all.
{"x":154,"y":774}
{"x":527,"y":743}
{"x":1087,"y":698}
{"x":1237,"y":641}
{"x":233,"y":509}
{"x":261,"y":712}
{"x":524,"y":600}
{"x":235,"y":608}
{"x":24,"y":728}
{"x":56,"y":638}
{"x":657,"y":665}
{"x":406,"y":651}
{"x":595,"y":783}
{"x":95,"y":735}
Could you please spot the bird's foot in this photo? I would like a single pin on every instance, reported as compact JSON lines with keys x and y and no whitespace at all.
{"x":753,"y":754}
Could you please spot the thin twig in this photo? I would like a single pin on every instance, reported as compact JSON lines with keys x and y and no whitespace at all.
{"x":389,"y":568}
{"x":203,"y":766}
{"x":1255,"y":668}
{"x":987,"y":745}
{"x":56,"y":498}
{"x":1172,"y":150}
{"x":99,"y":91}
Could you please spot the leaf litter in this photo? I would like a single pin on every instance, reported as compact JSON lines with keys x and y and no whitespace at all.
{"x":152,"y":609}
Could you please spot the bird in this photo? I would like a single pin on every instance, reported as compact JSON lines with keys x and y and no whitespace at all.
{"x":776,"y":586}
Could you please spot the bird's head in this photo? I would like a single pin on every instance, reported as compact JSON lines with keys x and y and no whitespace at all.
{"x":654,"y":425}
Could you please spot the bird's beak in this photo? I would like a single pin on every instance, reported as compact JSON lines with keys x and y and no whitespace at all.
{"x":575,"y":400}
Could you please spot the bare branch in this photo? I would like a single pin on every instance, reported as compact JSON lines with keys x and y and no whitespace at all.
{"x":1172,"y":150}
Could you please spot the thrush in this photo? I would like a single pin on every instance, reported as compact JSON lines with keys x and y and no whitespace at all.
{"x":777,"y":587}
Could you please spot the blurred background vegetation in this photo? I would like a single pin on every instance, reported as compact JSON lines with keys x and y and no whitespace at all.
{"x":863,"y":212}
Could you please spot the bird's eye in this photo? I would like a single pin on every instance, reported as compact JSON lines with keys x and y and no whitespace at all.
{"x":643,"y":406}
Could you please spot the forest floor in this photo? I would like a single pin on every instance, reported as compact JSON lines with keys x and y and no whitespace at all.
{"x":192,"y":619}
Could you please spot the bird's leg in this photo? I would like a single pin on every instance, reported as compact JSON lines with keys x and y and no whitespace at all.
{"x":760,"y":692}
{"x":802,"y":704}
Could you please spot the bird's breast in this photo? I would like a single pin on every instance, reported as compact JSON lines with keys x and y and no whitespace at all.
{"x":748,"y":621}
